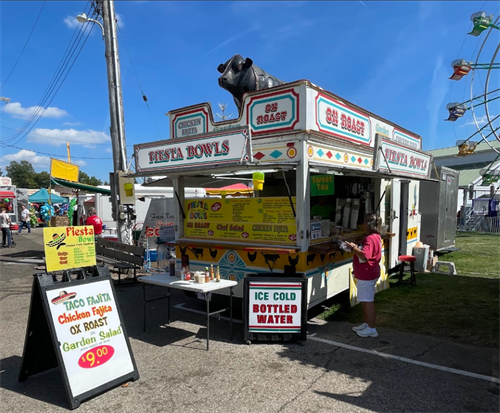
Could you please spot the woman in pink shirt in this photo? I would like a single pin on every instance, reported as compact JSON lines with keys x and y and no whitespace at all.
{"x":366,"y":268}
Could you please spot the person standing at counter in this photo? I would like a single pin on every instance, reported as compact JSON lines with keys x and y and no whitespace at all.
{"x":366,"y":268}
{"x":323,"y":208}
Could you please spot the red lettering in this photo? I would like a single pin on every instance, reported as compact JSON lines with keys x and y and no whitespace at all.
{"x":190,"y":152}
{"x":294,"y":308}
{"x":289,"y":319}
{"x":261,"y":319}
{"x":207,"y":147}
{"x":256,"y":308}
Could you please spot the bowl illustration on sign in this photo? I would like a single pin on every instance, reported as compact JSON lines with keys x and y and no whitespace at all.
{"x":216,"y":206}
{"x":210,"y":233}
{"x":245,"y":234}
{"x":62,"y":297}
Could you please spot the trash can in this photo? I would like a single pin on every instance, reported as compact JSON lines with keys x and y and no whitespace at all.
{"x":422,"y":255}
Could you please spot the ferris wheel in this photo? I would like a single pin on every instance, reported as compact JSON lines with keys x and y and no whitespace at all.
{"x":482,"y":93}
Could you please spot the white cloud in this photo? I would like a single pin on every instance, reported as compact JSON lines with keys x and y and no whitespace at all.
{"x":26,"y":155}
{"x":481,"y":120}
{"x":80,"y":163}
{"x":58,"y":137}
{"x":71,"y":21}
{"x":72,"y":123}
{"x":109,"y":150}
{"x":120,"y":21}
{"x":230,"y":40}
{"x":437,"y":94}
{"x":17,"y":111}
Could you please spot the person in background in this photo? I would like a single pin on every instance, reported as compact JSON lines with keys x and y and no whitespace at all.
{"x":323,"y":208}
{"x":25,"y":220}
{"x":95,"y":221}
{"x":366,"y":268}
{"x":5,"y":224}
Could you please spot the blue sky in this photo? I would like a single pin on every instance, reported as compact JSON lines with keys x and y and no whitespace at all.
{"x":391,"y":58}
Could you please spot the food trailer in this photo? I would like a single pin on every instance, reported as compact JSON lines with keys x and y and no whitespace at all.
{"x":8,"y":200}
{"x":297,"y":143}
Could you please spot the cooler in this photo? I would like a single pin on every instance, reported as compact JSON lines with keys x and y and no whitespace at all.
{"x":422,"y":255}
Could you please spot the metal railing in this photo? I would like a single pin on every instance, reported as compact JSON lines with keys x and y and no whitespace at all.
{"x":488,"y":224}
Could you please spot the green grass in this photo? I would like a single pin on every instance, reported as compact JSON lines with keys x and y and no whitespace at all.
{"x":465,"y":307}
{"x":479,"y":255}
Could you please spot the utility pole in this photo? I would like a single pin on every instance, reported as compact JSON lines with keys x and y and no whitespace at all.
{"x":117,"y":129}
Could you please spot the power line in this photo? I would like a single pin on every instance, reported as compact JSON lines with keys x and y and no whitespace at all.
{"x":144,"y":97}
{"x":26,"y":44}
{"x":63,"y":66}
{"x":52,"y":154}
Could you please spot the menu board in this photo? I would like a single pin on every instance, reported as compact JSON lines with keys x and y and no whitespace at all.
{"x":254,"y":219}
{"x":69,"y":247}
{"x":89,"y":334}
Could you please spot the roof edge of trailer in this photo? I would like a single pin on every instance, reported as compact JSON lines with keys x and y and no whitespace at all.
{"x":215,"y":171}
{"x":367,"y":172}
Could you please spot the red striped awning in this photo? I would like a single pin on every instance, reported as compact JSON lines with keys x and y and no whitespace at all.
{"x":7,"y":194}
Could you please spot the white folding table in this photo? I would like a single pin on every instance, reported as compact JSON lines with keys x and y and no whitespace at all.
{"x":165,"y":280}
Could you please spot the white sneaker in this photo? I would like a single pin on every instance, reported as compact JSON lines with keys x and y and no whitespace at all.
{"x":367,"y":332}
{"x":359,"y":328}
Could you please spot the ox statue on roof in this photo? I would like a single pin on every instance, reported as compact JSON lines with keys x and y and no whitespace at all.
{"x":241,"y":75}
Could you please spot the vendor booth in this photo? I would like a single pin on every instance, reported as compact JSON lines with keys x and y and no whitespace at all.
{"x":317,"y":162}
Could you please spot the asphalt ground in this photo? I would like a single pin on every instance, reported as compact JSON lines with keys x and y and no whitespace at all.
{"x":333,"y":371}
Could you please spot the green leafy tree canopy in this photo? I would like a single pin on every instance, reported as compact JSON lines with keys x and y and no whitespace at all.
{"x":24,"y":176}
{"x":88,"y":180}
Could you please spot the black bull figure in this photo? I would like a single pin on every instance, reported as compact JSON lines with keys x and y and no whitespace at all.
{"x":241,"y":75}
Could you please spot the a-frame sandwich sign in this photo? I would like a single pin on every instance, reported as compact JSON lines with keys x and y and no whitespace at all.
{"x":76,"y":324}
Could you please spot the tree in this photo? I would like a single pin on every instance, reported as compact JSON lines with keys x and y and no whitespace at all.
{"x":88,"y":180}
{"x":1,"y":172}
{"x":42,"y":179}
{"x":22,"y":174}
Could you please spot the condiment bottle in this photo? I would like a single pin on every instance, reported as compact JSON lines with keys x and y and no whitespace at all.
{"x":212,"y":277}
{"x":183,"y":273}
{"x":172,"y":266}
{"x":187,"y":276}
{"x":218,"y":274}
{"x":207,"y":275}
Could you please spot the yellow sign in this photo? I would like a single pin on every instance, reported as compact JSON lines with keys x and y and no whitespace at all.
{"x":253,"y":219}
{"x":64,"y":170}
{"x":69,"y":247}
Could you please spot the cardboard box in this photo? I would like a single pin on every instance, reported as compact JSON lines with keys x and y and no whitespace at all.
{"x":431,"y":262}
{"x":59,"y":221}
